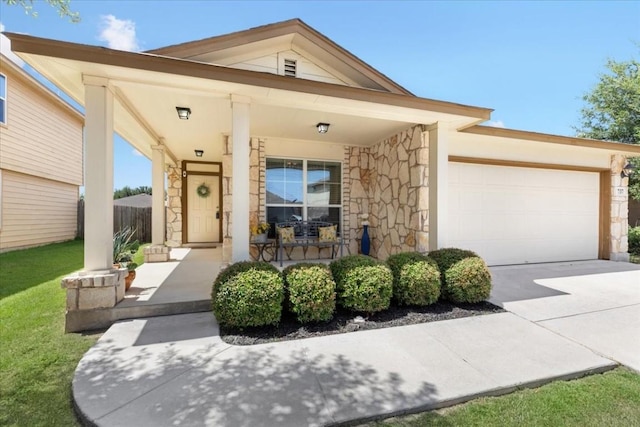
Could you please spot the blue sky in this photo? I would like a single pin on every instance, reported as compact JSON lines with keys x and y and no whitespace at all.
{"x":530,"y":61}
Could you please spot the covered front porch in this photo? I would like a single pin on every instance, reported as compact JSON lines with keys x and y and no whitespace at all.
{"x":179,"y":286}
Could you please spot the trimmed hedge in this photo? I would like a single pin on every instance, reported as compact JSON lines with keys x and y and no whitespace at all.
{"x":248,"y":294}
{"x":362,"y":283}
{"x":446,"y":257}
{"x":310,"y":292}
{"x":416,"y":279}
{"x":468,"y":281}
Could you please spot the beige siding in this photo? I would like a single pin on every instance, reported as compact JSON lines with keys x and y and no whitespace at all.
{"x":41,"y":137}
{"x":274,"y":63}
{"x":35,"y":211}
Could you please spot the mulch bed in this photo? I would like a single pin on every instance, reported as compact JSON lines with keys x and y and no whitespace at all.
{"x":345,"y":321}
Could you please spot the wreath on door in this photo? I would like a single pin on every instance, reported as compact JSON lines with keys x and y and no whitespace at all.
{"x":203,"y":190}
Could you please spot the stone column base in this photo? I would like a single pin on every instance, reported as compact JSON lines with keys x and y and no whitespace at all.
{"x":157,"y":253}
{"x":619,"y":257}
{"x":91,"y":290}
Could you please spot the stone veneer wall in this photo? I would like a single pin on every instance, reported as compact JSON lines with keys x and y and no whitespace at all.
{"x":619,"y":244}
{"x":390,"y":182}
{"x":174,"y":206}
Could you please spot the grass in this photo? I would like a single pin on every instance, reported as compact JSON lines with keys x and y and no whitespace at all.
{"x":610,"y":399}
{"x":37,"y":359}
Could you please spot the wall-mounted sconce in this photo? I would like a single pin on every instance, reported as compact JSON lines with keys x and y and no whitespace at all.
{"x":183,"y":112}
{"x":199,"y":153}
{"x":323,"y":127}
{"x":627,"y":170}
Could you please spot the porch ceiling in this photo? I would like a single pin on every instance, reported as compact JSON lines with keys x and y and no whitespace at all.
{"x":148,"y":88}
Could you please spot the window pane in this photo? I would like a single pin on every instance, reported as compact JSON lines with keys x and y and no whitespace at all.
{"x":326,"y":214}
{"x":2,"y":114}
{"x":3,"y":87}
{"x":282,"y":214}
{"x":284,"y":181}
{"x":323,"y":183}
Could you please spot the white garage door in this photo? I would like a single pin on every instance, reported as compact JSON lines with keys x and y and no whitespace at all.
{"x":514,"y":215}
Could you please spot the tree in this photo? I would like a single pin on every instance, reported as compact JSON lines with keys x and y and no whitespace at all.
{"x":612,"y":111}
{"x":61,"y":5}
{"x":127,"y":191}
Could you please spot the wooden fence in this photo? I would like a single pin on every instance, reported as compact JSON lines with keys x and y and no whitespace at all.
{"x":123,"y":216}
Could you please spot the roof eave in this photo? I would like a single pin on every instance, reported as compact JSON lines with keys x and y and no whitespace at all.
{"x":626,"y":149}
{"x":94,"y":54}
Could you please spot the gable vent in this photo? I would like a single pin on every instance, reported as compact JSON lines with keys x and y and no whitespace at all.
{"x":290,"y":67}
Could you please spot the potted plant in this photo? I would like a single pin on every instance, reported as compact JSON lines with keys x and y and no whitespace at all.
{"x":124,"y":246}
{"x":259,"y":231}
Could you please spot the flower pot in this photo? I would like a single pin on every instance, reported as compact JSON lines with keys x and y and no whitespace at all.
{"x":128,"y":280}
{"x":260,"y":238}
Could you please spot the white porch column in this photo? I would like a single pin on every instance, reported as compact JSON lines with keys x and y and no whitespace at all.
{"x":98,"y":216}
{"x":158,"y":251}
{"x":438,"y":185}
{"x":157,"y":196}
{"x":240,"y":181}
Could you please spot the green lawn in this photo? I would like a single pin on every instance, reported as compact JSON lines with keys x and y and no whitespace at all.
{"x":37,"y":358}
{"x":608,"y":400}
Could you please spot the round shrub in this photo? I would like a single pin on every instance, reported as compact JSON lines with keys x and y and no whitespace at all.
{"x":446,"y":257}
{"x":341,"y":266}
{"x":239,"y":267}
{"x":248,"y":295}
{"x":310,"y":292}
{"x":397,"y":261}
{"x":418,"y":283}
{"x":468,"y":280}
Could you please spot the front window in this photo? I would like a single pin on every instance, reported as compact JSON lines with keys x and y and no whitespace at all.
{"x":308,"y":190}
{"x":3,"y":99}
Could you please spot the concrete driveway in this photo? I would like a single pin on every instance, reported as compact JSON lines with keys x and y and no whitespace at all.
{"x":594,"y":303}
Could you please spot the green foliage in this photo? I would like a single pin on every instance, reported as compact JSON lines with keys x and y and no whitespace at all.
{"x":127,"y":191}
{"x":249,"y":298}
{"x":240,"y":267}
{"x":124,"y":246}
{"x":416,"y":279}
{"x":468,"y":280}
{"x":446,"y":257}
{"x":362,"y":283}
{"x":341,"y":266}
{"x":311,"y":292}
{"x":62,"y":6}
{"x":612,"y":111}
{"x":634,"y":240}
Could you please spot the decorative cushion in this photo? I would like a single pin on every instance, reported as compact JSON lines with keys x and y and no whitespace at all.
{"x":286,"y":234}
{"x":327,"y":234}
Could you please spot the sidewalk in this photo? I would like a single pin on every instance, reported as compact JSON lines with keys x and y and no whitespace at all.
{"x":175,"y":370}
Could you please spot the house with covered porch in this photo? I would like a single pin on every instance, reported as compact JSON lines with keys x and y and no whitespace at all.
{"x":279,"y":121}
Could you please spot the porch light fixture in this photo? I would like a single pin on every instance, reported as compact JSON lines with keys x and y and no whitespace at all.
{"x":199,"y":153}
{"x":183,"y":112}
{"x":627,"y":170}
{"x":323,"y":127}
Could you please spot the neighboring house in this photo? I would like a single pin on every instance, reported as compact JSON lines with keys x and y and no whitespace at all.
{"x":237,"y":116}
{"x":135,"y":201}
{"x":40,"y":161}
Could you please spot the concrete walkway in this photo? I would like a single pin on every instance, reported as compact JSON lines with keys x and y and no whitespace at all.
{"x":175,"y":370}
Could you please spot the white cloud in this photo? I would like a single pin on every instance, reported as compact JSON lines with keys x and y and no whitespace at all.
{"x":496,"y":123}
{"x":119,"y":33}
{"x":5,"y":48}
{"x":136,"y":153}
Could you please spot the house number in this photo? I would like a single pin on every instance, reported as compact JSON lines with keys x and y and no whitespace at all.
{"x":621,"y":191}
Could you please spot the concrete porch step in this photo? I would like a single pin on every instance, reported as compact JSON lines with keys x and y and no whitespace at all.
{"x":104,"y":318}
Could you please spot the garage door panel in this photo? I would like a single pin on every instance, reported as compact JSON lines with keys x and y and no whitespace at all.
{"x":514,"y":215}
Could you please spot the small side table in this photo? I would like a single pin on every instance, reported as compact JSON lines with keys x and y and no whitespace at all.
{"x":268,"y":247}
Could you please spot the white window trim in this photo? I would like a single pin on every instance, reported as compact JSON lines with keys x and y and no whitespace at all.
{"x":304,"y":206}
{"x":6,"y":103}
